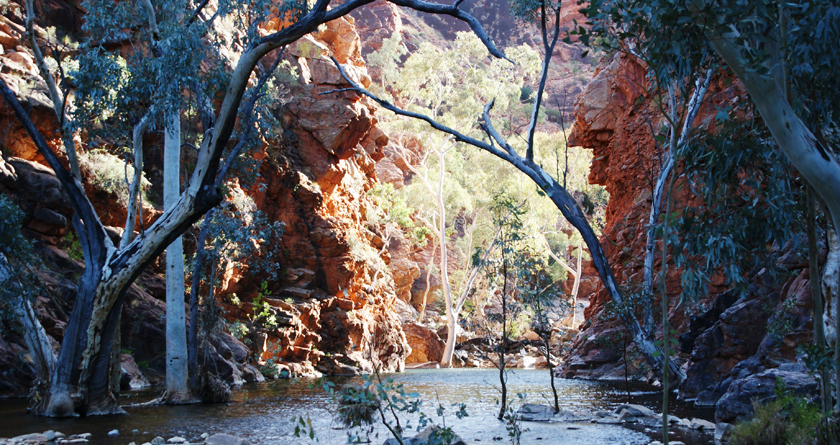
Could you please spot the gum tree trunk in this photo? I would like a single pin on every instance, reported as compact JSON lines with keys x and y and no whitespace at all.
{"x":177,"y":387}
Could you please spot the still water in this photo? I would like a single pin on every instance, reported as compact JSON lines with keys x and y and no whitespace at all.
{"x":264,"y":412}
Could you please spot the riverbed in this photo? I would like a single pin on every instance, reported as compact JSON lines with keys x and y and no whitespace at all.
{"x":264,"y":412}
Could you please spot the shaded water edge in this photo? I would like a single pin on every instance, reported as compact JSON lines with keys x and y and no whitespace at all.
{"x":265,"y":413}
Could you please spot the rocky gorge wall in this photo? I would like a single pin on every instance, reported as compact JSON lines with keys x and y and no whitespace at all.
{"x":336,"y":302}
{"x":729,"y":346}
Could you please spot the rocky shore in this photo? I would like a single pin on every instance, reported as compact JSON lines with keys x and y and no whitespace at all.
{"x":57,"y":438}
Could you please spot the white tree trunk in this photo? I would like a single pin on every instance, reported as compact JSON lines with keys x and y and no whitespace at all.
{"x":677,"y":141}
{"x":831,"y":299}
{"x":451,"y":322}
{"x":134,"y":204}
{"x":813,"y":161}
{"x":177,"y":387}
{"x":576,"y":286}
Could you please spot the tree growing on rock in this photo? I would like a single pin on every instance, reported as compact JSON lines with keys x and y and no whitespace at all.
{"x":82,"y":380}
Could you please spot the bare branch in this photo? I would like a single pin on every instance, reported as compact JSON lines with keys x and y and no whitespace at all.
{"x":197,"y":11}
{"x":459,"y":137}
{"x":150,"y":12}
{"x":453,"y":11}
{"x":134,"y":189}
{"x":248,"y":121}
{"x":549,"y":50}
{"x":488,"y":127}
{"x":58,"y":102}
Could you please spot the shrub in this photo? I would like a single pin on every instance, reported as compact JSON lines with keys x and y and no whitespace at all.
{"x":112,"y":174}
{"x":787,"y":420}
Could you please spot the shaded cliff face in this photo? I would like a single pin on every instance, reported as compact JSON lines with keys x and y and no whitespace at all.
{"x":724,"y":338}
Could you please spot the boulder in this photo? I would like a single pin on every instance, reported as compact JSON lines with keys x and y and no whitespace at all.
{"x":225,"y":439}
{"x":425,"y":344}
{"x":533,"y":412}
{"x":734,"y":338}
{"x":430,"y":436}
{"x":737,"y":403}
{"x":251,"y":374}
{"x":130,"y":375}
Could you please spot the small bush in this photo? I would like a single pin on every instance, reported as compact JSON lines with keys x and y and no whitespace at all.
{"x":357,"y":405}
{"x":111,"y":174}
{"x":787,"y":420}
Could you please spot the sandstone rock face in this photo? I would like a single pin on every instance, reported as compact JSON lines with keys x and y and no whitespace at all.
{"x":425,"y":344}
{"x":738,"y":335}
{"x":335,"y":301}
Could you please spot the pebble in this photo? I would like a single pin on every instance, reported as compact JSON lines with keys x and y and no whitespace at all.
{"x":204,"y":435}
{"x":135,"y":432}
{"x":158,"y":441}
{"x":176,"y":439}
{"x":114,"y":433}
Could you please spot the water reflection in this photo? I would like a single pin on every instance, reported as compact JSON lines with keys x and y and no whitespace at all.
{"x":264,"y":412}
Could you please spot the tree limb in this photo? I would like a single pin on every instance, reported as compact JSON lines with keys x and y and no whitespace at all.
{"x":134,"y":189}
{"x":567,"y":206}
{"x":58,"y":102}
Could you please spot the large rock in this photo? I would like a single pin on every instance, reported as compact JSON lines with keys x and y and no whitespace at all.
{"x":130,"y":375}
{"x":732,"y":339}
{"x":737,"y":402}
{"x":225,"y":439}
{"x":429,"y":436}
{"x":425,"y":344}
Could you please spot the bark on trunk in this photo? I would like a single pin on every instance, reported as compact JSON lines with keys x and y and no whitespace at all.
{"x":177,"y":387}
{"x":816,"y":295}
{"x":33,"y":333}
{"x":451,"y":317}
{"x":831,"y":297}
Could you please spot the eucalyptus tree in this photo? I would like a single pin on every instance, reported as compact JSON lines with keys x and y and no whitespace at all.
{"x":784,"y":53}
{"x":449,"y":183}
{"x":82,"y":380}
{"x":547,"y":14}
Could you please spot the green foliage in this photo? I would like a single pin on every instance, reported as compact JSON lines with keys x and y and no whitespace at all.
{"x":787,"y":420}
{"x":387,"y":58}
{"x":12,"y":242}
{"x":17,"y":277}
{"x":781,"y":322}
{"x":795,"y":42}
{"x":70,"y":242}
{"x":111,"y":174}
{"x":744,"y":202}
{"x":115,"y":85}
{"x":263,"y":315}
{"x":386,"y":401}
{"x":395,"y":209}
{"x":240,"y":331}
{"x":513,"y":421}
